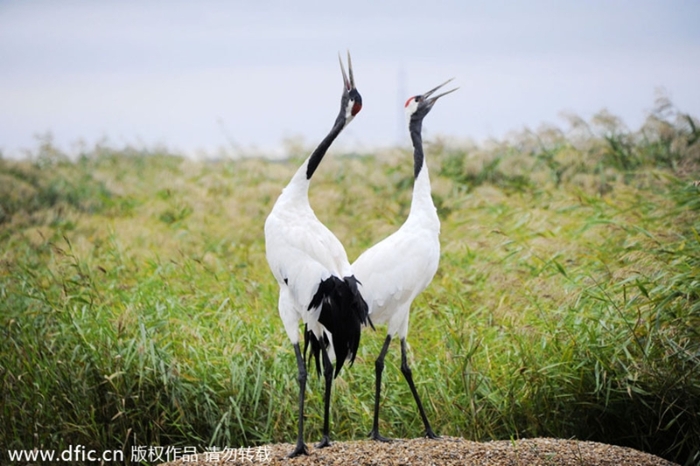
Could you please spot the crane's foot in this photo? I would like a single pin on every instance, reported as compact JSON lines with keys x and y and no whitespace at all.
{"x":299,"y":450}
{"x":325,"y":442}
{"x":374,"y":435}
{"x":431,"y":435}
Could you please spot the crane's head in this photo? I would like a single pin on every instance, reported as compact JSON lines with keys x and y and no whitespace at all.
{"x":351,"y":102}
{"x":418,"y":106}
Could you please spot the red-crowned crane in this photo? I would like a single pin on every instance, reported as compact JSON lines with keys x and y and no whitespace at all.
{"x":312,"y":269}
{"x":395,"y":270}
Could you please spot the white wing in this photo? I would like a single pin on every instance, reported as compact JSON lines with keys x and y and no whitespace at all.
{"x":394,"y":271}
{"x":301,"y":257}
{"x":301,"y":252}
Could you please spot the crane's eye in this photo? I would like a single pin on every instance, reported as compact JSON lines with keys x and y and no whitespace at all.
{"x":416,"y":98}
{"x":355,"y":102}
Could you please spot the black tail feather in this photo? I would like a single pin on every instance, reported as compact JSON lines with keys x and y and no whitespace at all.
{"x":343,"y":313}
{"x":359,"y":302}
{"x":312,"y":343}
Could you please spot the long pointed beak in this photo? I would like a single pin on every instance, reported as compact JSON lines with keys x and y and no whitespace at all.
{"x":352,"y":78}
{"x":348,"y":83}
{"x":432,"y":100}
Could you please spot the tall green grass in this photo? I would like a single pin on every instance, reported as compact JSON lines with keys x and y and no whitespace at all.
{"x":137,"y":307}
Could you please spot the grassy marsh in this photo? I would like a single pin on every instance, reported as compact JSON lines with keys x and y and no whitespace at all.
{"x":138,"y":309}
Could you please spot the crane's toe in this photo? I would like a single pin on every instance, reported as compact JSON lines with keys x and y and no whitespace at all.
{"x":325,"y":442}
{"x":299,"y":450}
{"x":374,"y":435}
{"x":431,"y":435}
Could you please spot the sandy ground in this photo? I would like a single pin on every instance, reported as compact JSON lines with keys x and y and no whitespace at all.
{"x":446,"y":451}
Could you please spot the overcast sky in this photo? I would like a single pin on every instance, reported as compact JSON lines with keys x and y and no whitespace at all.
{"x":201,"y":75}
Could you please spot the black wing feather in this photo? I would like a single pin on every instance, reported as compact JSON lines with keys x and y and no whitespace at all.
{"x":343,"y":313}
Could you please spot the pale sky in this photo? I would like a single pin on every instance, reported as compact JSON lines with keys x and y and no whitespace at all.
{"x":197,"y":76}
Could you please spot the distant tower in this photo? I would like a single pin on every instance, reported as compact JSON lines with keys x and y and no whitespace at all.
{"x":400,"y":98}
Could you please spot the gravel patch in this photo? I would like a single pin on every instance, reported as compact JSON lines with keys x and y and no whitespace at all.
{"x":446,"y":451}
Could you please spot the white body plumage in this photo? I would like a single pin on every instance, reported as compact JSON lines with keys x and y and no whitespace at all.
{"x":397,"y":269}
{"x":302,"y":252}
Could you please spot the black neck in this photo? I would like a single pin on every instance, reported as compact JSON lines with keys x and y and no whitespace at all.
{"x":415,"y":127}
{"x":322,"y":148}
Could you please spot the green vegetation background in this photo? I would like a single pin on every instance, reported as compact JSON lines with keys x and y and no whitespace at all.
{"x":136,"y":306}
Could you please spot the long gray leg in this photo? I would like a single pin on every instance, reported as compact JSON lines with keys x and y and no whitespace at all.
{"x":328,"y":375}
{"x":378,"y":368}
{"x":301,"y":369}
{"x":409,"y":378}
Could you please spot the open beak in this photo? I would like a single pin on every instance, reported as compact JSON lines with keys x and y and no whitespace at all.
{"x":349,"y":84}
{"x":431,"y":100}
